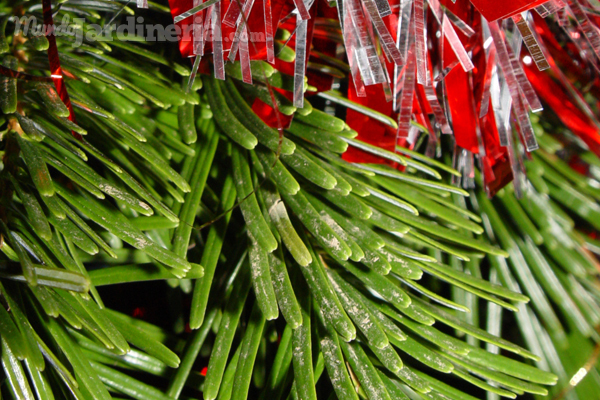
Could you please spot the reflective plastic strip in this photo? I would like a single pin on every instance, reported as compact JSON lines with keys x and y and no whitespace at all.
{"x":530,"y":42}
{"x":194,"y":10}
{"x":245,"y":57}
{"x":513,"y":86}
{"x":420,"y":43}
{"x":387,"y":40}
{"x":218,"y":61}
{"x":198,"y":31}
{"x":269,"y":36}
{"x":300,"y":62}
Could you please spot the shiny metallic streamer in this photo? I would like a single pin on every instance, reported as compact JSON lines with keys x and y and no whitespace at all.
{"x":241,"y":25}
{"x":451,"y":36}
{"x":350,"y":42}
{"x":301,"y":9}
{"x":245,"y":56}
{"x":420,"y":42}
{"x":513,"y":86}
{"x":232,"y":15}
{"x":198,"y":31}
{"x":525,"y":88}
{"x":269,"y":35}
{"x":530,"y":41}
{"x":407,"y":97}
{"x":590,"y":31}
{"x":499,"y":113}
{"x":460,"y":24}
{"x":437,"y":110}
{"x":194,"y":10}
{"x":582,"y":45}
{"x":300,"y":62}
{"x":403,"y":35}
{"x":366,"y":53}
{"x":218,"y":62}
{"x":387,"y":41}
{"x":383,"y":6}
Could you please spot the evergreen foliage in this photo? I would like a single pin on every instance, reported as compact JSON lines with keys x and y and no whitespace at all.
{"x":327,"y":279}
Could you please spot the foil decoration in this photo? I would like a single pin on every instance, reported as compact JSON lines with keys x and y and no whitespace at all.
{"x":457,"y":47}
{"x":351,"y":46}
{"x":413,"y":135}
{"x":300,"y":62}
{"x":420,"y":43}
{"x":217,"y":42}
{"x":530,"y":42}
{"x":387,"y":41}
{"x":241,"y":27}
{"x":269,"y":35}
{"x":437,"y":109}
{"x":496,"y":99}
{"x":245,"y":56}
{"x":366,"y":53}
{"x":406,"y":99}
{"x":207,"y":26}
{"x":525,"y":89}
{"x":544,"y":9}
{"x":550,"y":7}
{"x":232,"y":15}
{"x":301,"y":9}
{"x":590,"y":32}
{"x":462,"y":26}
{"x":513,"y":87}
{"x":403,"y":31}
{"x":383,"y":6}
{"x":404,"y":20}
{"x":451,"y":36}
{"x":470,"y":71}
{"x":198,"y":31}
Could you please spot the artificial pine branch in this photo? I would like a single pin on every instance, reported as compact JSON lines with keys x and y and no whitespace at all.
{"x":312,"y":286}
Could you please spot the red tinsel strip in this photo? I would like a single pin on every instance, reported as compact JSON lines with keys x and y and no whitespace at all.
{"x":56,"y":73}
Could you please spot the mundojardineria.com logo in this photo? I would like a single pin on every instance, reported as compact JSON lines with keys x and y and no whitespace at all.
{"x":77,"y":30}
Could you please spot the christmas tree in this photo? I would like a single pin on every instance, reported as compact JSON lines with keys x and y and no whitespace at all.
{"x":355,"y":199}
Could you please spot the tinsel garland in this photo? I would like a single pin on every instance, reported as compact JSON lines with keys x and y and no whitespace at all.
{"x":471,"y":69}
